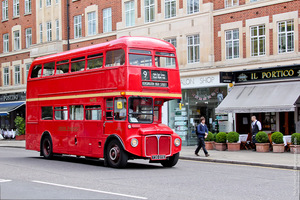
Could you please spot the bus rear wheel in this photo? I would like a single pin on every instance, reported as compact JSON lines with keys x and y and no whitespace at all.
{"x":116,"y":156}
{"x":46,"y":147}
{"x":172,"y":161}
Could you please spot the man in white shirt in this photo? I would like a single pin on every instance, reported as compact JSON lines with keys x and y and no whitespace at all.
{"x":255,"y":127}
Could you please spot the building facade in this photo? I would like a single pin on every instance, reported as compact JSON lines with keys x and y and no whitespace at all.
{"x":210,"y":36}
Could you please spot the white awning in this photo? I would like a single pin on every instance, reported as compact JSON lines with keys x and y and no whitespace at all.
{"x":271,"y":97}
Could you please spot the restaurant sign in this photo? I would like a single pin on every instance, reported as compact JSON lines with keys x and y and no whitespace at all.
{"x":13,"y":97}
{"x":266,"y":74}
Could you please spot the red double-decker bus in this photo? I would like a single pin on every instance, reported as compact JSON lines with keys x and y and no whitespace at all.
{"x":105,"y":101}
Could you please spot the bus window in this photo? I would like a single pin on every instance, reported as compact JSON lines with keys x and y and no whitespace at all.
{"x":62,"y":67}
{"x":115,"y":58}
{"x":36,"y":71}
{"x":47,"y":113}
{"x":61,"y":113}
{"x":156,"y":113}
{"x":76,"y":112}
{"x":165,"y":60}
{"x":120,"y":109}
{"x":78,"y":64}
{"x":93,"y":112}
{"x":109,"y":109}
{"x":95,"y":61}
{"x":140,"y":57}
{"x":49,"y":69}
{"x":140,"y":110}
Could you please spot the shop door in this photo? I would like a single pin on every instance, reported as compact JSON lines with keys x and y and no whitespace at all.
{"x":286,"y":123}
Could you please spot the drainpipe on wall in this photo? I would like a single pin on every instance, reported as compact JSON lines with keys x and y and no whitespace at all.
{"x":68,"y":24}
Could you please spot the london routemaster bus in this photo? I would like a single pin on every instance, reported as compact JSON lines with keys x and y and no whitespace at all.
{"x":105,"y":101}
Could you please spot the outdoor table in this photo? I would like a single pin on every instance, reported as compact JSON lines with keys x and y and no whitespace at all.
{"x":287,"y":139}
{"x":243,"y":138}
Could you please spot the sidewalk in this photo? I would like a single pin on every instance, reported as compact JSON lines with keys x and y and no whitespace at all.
{"x":285,"y":160}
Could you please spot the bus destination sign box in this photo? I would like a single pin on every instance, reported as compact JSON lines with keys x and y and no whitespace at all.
{"x":154,"y":78}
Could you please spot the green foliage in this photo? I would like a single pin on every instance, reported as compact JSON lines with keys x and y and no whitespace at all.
{"x":233,"y":137}
{"x":262,"y":137}
{"x":277,"y":138}
{"x":210,"y":137}
{"x":221,"y":137}
{"x":214,"y":136}
{"x":20,"y":124}
{"x":296,"y":138}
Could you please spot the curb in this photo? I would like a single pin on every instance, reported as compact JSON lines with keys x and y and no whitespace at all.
{"x":240,"y":163}
{"x":17,"y":147}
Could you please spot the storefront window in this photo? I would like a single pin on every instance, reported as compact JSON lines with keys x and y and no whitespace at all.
{"x":195,"y":104}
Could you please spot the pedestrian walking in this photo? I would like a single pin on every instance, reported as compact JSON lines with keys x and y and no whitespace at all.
{"x":202,"y":132}
{"x":255,"y":127}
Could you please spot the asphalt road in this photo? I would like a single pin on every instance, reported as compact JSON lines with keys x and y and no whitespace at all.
{"x":25,"y":175}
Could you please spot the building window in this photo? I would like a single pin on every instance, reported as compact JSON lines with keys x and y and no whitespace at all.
{"x":92,"y":23}
{"x":27,"y":69}
{"x":170,"y":8}
{"x":27,"y":6}
{"x":5,"y":10}
{"x":253,"y":0}
{"x":41,"y":32}
{"x":286,"y":36}
{"x":77,"y":26}
{"x":48,"y":2}
{"x":17,"y":75}
{"x":16,"y":8}
{"x":193,"y":49}
{"x":57,"y":29}
{"x":129,"y":13}
{"x":192,"y":6}
{"x":149,"y":10}
{"x":5,"y":43}
{"x":41,"y":3}
{"x":232,"y":44}
{"x":258,"y":40}
{"x":16,"y":40}
{"x":49,"y":31}
{"x":56,"y":1}
{"x":107,"y":27}
{"x":230,"y":3}
{"x":173,"y":41}
{"x":28,"y":35}
{"x":5,"y":76}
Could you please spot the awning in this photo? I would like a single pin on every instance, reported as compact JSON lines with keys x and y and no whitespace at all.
{"x":5,"y":108}
{"x":271,"y":97}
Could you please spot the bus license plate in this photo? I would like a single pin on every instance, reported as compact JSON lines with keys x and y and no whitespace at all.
{"x":158,"y":157}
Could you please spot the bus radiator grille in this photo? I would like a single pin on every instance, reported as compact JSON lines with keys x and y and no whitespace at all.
{"x":158,"y":145}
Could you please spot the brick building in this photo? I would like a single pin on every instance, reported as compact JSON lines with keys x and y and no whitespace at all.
{"x":210,"y":36}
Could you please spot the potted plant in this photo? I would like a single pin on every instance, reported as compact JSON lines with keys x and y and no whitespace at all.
{"x":232,"y":139}
{"x":214,"y":140}
{"x":277,"y":139}
{"x":295,"y":146}
{"x":20,"y":124}
{"x":262,"y":142}
{"x":209,"y":141}
{"x":221,"y":141}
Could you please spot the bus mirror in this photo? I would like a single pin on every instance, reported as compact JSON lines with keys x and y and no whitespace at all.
{"x":120,"y":105}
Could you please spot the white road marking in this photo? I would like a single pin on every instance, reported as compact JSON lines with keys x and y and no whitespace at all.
{"x":3,"y":180}
{"x":90,"y":190}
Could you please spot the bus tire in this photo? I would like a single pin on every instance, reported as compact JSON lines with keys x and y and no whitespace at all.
{"x":116,"y":156}
{"x":172,"y":161}
{"x":47,"y":147}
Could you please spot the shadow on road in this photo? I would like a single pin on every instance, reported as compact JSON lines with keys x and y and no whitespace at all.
{"x":99,"y":162}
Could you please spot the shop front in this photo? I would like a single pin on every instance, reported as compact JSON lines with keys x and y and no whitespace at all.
{"x":200,"y":96}
{"x":11,"y":106}
{"x":271,"y":94}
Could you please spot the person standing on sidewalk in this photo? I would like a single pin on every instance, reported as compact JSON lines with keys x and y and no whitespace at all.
{"x":255,"y":127}
{"x":202,"y":132}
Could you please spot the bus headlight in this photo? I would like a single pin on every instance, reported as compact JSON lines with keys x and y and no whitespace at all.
{"x":134,"y":142}
{"x":177,"y":142}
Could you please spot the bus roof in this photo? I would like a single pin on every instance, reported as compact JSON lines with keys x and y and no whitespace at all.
{"x":125,"y":41}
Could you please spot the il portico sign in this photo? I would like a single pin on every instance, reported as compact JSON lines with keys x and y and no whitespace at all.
{"x":286,"y":72}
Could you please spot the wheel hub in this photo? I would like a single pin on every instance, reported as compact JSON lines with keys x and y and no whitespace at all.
{"x":114,"y":153}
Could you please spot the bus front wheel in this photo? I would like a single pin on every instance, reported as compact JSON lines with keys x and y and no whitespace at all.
{"x":116,"y":156}
{"x":46,"y":147}
{"x":172,"y":161}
